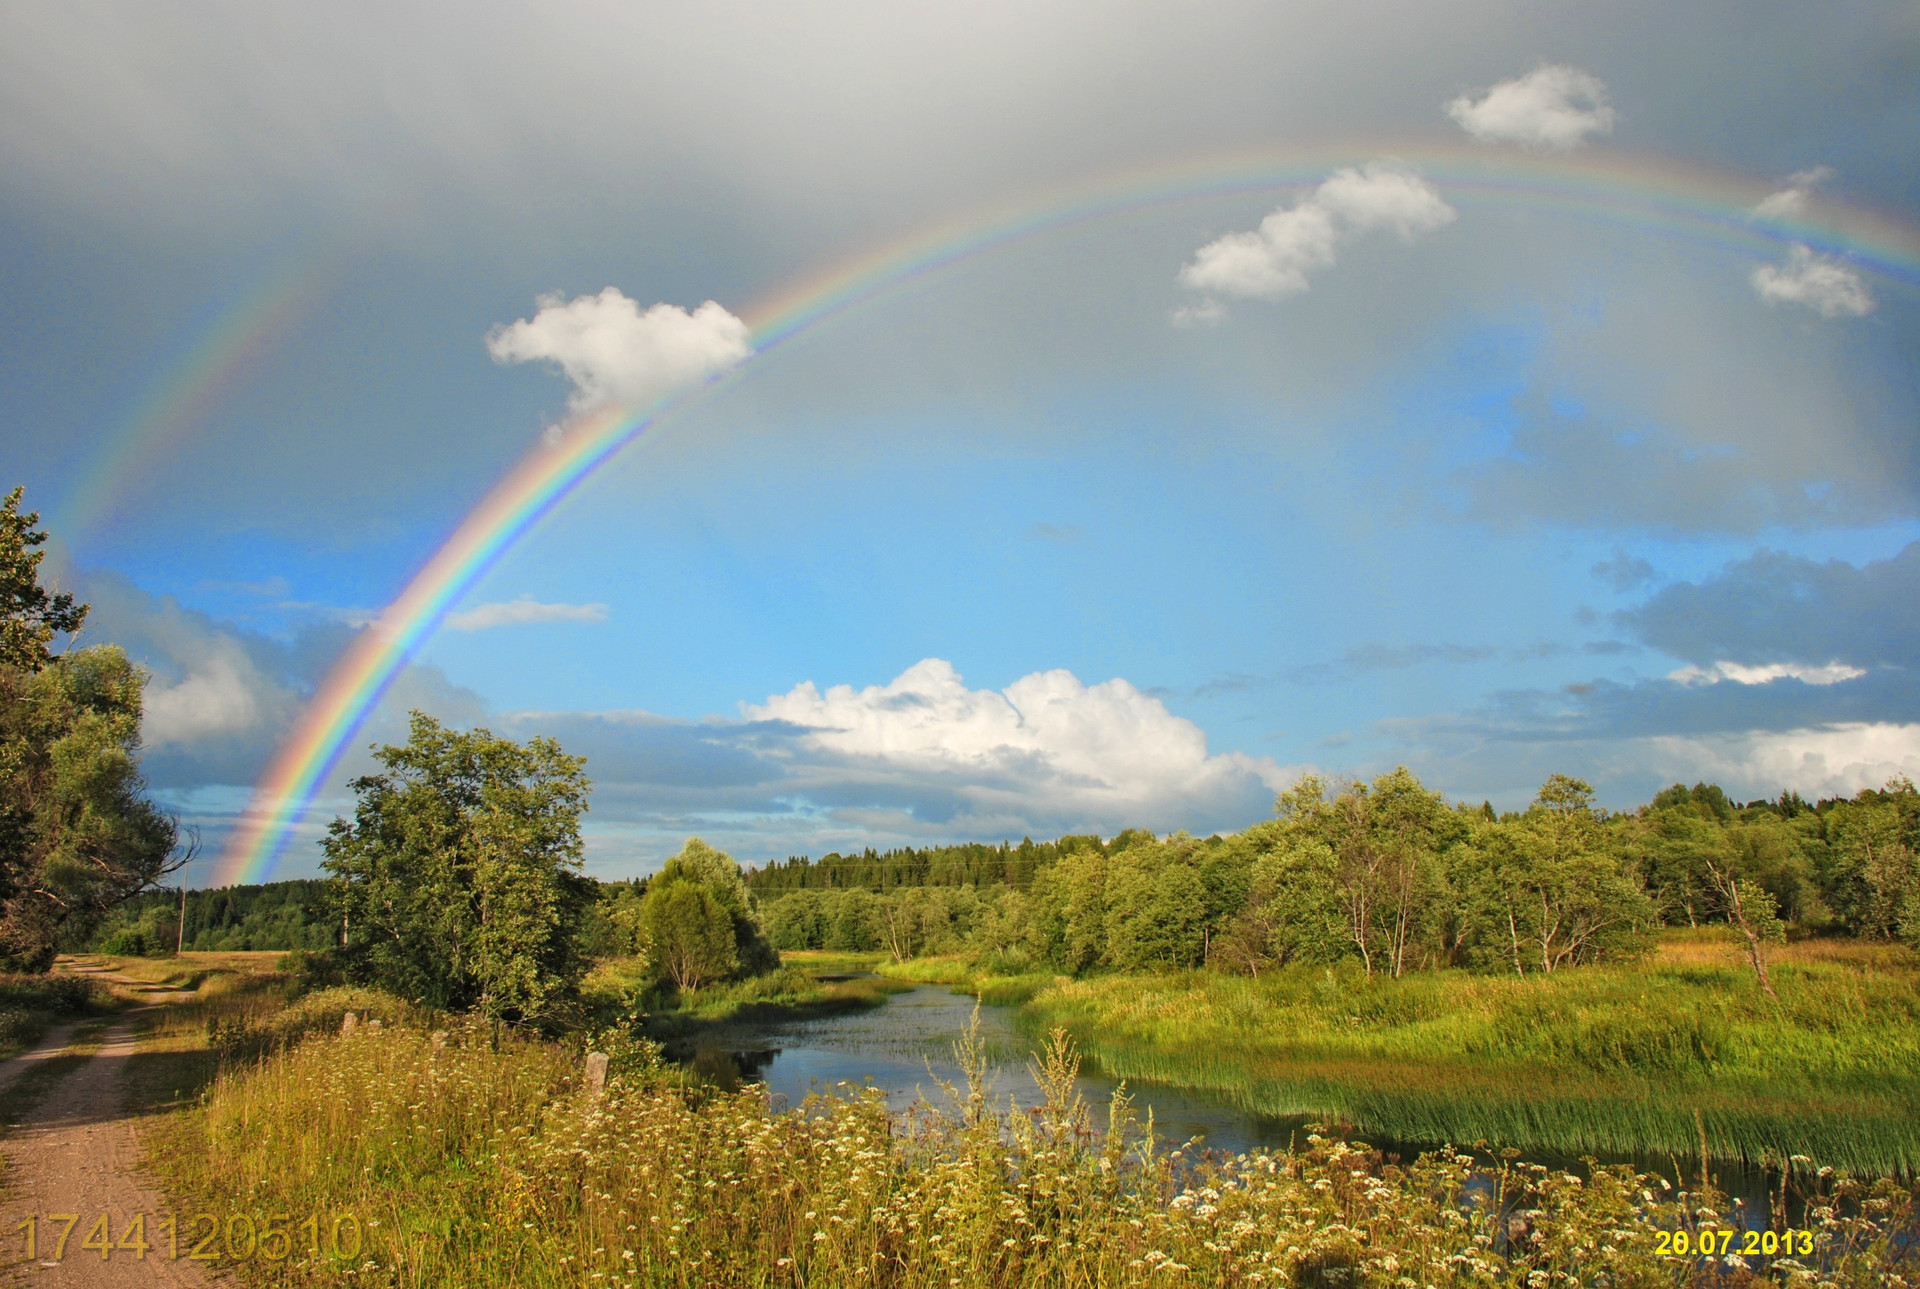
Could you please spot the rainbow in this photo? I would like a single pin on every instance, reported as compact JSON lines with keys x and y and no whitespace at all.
{"x":231,"y":343}
{"x":1648,"y":194}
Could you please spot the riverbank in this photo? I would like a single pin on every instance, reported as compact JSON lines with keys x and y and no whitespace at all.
{"x":808,"y":986}
{"x":1626,"y":1060}
{"x":478,"y":1158}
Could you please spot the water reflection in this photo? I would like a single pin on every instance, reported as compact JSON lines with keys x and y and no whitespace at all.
{"x":905,"y":1049}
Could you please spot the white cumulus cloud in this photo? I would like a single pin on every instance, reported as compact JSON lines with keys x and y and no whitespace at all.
{"x":1275,"y":259}
{"x":223,"y":693}
{"x":1045,"y":747}
{"x":1824,"y":761}
{"x":1552,"y":106}
{"x":1791,"y":201}
{"x":1819,"y":282}
{"x":616,"y":353}
{"x":509,"y":613}
{"x":1831,"y":673}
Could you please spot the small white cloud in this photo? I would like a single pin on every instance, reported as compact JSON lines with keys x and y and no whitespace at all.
{"x":1552,"y":106}
{"x":1046,"y":745}
{"x":511,"y":613}
{"x":1275,"y":259}
{"x":1829,"y":674}
{"x":1204,"y":314}
{"x":616,"y":354}
{"x":1791,"y":201}
{"x":1823,"y":761}
{"x":1823,"y":284}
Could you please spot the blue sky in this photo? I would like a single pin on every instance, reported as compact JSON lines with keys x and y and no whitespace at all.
{"x":1124,"y":524}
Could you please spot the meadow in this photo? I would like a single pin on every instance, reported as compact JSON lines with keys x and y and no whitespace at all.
{"x":1636,"y":1058}
{"x":461,"y":1153}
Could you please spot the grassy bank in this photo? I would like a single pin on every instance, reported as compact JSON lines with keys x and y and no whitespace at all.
{"x":31,"y":1004}
{"x":1612,"y":1059}
{"x":807,"y":986}
{"x":484,"y":1162}
{"x":964,"y":977}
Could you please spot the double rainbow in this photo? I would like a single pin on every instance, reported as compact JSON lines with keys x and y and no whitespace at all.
{"x":1636,"y":192}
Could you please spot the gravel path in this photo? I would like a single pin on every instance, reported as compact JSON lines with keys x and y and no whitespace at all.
{"x":78,"y":1153}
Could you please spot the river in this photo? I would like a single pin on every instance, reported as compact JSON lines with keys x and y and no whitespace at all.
{"x":904,"y":1047}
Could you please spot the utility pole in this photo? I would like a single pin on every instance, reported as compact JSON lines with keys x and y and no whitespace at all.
{"x":180,"y":940}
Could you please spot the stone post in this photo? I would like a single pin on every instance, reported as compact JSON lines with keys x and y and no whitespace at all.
{"x":349,"y":1023}
{"x":597,"y":1073}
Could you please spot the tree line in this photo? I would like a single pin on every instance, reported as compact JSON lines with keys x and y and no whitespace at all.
{"x":1391,"y":875}
{"x":967,"y":864}
{"x":271,"y":915}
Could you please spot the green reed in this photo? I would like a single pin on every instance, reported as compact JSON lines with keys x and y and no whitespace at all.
{"x":1613,"y":1059}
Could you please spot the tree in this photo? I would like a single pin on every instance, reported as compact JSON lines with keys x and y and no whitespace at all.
{"x":689,"y":935}
{"x":1545,"y":891}
{"x":458,"y":878}
{"x":720,"y":873}
{"x":1872,"y":873}
{"x":1750,"y":908}
{"x":77,"y":834}
{"x":30,"y":615}
{"x":1385,"y":837}
{"x":699,"y":920}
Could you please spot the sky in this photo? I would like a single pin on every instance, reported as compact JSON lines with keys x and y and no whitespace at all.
{"x":1056,"y":418}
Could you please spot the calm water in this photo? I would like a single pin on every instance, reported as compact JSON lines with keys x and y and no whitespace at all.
{"x":905,"y":1046}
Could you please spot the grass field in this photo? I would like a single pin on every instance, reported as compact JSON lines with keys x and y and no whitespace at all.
{"x":480,"y":1159}
{"x":1621,"y":1059}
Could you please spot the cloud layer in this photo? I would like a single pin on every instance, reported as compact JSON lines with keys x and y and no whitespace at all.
{"x":615,"y":353}
{"x":1777,"y":608}
{"x":1274,"y":260}
{"x":1819,"y":282}
{"x":1552,"y":106}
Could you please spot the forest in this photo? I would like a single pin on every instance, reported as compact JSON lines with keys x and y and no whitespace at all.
{"x":1387,"y":874}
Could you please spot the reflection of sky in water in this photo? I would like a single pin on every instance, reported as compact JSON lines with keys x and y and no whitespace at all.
{"x":904,"y":1046}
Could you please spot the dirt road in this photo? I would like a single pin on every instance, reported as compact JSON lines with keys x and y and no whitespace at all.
{"x":78,"y":1154}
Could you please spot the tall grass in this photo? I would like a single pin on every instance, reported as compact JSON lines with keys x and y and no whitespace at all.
{"x":964,"y":976}
{"x":484,"y":1162}
{"x":1610,"y":1059}
{"x":29,"y":1004}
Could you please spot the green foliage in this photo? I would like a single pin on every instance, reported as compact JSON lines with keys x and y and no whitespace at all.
{"x":458,"y":877}
{"x":689,"y":934}
{"x":1872,"y":875}
{"x":1612,"y":1057}
{"x":697,"y":921}
{"x":275,"y":915}
{"x":30,"y":615}
{"x":487,"y":1163}
{"x":971,"y":864}
{"x":77,"y":834}
{"x":902,"y":923}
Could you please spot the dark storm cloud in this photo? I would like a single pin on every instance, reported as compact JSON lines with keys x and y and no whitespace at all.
{"x":1778,"y":608}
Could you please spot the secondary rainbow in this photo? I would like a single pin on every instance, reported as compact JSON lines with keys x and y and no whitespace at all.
{"x":218,"y":357}
{"x":1643,"y":193}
